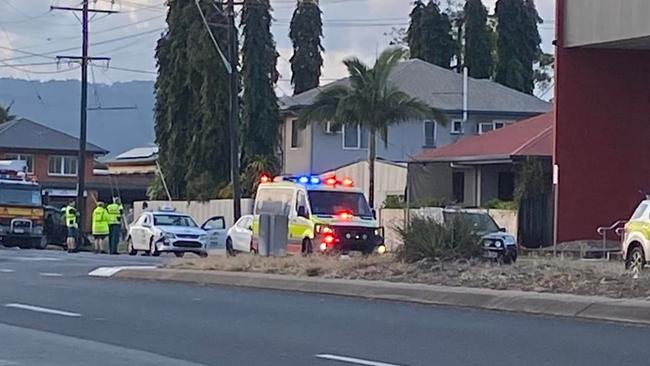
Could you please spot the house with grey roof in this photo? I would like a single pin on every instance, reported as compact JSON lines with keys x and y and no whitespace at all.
{"x":490,"y":106}
{"x":52,"y":157}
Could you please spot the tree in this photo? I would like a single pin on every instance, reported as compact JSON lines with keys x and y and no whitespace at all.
{"x":305,"y":32}
{"x":191,"y":95}
{"x":260,"y":122}
{"x":518,"y":43}
{"x":372,"y":102}
{"x":478,"y":44}
{"x":430,"y":36}
{"x":4,"y":115}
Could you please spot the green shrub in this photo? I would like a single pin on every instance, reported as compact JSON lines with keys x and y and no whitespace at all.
{"x":497,"y":204}
{"x":425,"y":238}
{"x":393,"y":202}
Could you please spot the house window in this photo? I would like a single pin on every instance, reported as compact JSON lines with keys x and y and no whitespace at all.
{"x":485,"y":127}
{"x":332,"y":128}
{"x":457,"y":127}
{"x":429,"y":134}
{"x":28,"y":159}
{"x":458,"y":186}
{"x":506,"y":186}
{"x":297,"y":134}
{"x":62,"y":165}
{"x":355,"y":137}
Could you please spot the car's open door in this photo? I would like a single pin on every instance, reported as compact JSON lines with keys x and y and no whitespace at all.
{"x":216,"y":229}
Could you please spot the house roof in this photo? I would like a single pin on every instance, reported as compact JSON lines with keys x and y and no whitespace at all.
{"x":531,"y":137}
{"x":137,"y":155}
{"x":29,"y":135}
{"x":443,"y":89}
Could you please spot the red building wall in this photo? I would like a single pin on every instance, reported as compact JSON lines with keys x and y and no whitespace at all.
{"x":602,"y":135}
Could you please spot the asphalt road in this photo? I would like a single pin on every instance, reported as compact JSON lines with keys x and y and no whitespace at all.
{"x":52,"y":313}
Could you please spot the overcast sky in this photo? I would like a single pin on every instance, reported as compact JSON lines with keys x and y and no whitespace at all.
{"x":351,"y":27}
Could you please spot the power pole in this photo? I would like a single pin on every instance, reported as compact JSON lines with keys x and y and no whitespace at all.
{"x":84,"y":59}
{"x":233,"y":57}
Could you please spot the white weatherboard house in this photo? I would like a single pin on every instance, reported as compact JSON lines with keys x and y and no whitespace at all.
{"x":317,"y":149}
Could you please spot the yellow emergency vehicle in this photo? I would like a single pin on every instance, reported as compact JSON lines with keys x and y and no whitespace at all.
{"x":327,"y":215}
{"x":21,"y":207}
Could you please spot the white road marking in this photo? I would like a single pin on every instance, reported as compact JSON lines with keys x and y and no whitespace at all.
{"x":106,"y":272}
{"x":352,"y":360}
{"x":6,"y":270}
{"x":42,"y":310}
{"x":37,"y":259}
{"x":46,"y":274}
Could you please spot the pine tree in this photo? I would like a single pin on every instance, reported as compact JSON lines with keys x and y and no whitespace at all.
{"x":260,"y":122}
{"x":429,"y":35}
{"x":305,"y":33}
{"x":478,"y":44}
{"x":191,"y":97}
{"x":518,"y":43}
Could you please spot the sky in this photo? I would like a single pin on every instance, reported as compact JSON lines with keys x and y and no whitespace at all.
{"x":31,"y":35}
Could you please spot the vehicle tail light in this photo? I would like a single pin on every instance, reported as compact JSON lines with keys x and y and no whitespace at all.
{"x":345,"y":215}
{"x":328,"y":239}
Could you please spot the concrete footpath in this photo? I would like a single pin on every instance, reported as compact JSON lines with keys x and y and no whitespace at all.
{"x":572,"y":306}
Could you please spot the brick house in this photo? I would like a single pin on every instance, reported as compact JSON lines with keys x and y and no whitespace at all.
{"x":52,"y":156}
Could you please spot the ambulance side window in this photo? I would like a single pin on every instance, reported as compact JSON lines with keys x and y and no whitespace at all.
{"x":274,"y":201}
{"x":301,"y":201}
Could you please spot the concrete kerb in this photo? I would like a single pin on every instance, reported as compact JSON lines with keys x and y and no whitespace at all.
{"x":572,"y":306}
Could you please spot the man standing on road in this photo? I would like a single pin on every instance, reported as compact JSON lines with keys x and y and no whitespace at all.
{"x":115,"y":224}
{"x":70,"y":217}
{"x":100,"y":226}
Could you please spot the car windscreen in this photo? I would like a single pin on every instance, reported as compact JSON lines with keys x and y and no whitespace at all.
{"x":482,"y":223}
{"x":18,"y":195}
{"x":173,"y":220}
{"x":333,"y":203}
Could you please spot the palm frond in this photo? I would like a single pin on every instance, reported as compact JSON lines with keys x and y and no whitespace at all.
{"x":401,"y":107}
{"x":385,"y":64}
{"x":359,"y":73}
{"x":325,"y":106}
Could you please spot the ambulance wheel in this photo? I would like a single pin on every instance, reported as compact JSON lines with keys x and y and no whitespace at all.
{"x":306,"y":247}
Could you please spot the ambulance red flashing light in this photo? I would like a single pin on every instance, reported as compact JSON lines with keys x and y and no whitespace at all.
{"x":265,"y":179}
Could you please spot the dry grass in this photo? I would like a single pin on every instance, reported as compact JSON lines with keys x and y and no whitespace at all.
{"x":530,"y":274}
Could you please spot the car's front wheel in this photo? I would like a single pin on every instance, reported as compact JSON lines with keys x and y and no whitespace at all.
{"x":635,"y":259}
{"x":153,"y":249}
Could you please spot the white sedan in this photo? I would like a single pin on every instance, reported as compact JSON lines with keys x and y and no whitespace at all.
{"x":167,"y":231}
{"x":240,"y":236}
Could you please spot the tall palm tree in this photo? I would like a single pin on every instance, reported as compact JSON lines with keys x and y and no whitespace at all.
{"x":371,"y":101}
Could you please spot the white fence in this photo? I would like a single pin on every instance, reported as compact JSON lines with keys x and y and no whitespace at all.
{"x":201,"y":211}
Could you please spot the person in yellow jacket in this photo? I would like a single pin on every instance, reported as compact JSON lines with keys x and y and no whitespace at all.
{"x":115,"y":224}
{"x":70,"y":217}
{"x":100,"y":226}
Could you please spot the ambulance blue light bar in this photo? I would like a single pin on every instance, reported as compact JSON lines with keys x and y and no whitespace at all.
{"x":312,"y":180}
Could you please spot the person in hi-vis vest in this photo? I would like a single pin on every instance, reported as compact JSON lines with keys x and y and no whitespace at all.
{"x":70,"y":218}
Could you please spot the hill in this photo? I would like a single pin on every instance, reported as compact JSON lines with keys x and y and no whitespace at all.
{"x":56,"y":104}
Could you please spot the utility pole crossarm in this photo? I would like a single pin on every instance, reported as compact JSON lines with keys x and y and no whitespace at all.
{"x":82,"y":9}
